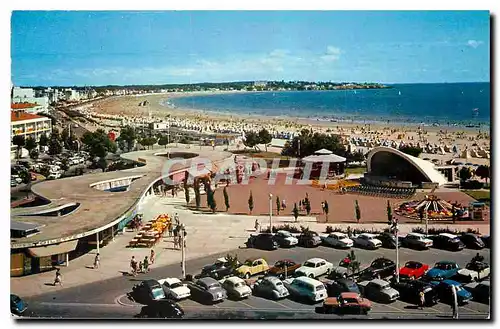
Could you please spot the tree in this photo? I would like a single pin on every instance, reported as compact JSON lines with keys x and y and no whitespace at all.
{"x":226,"y":198}
{"x":232,"y":261}
{"x":127,"y":137}
{"x":411,"y":150}
{"x":251,"y":139}
{"x":357,"y":210}
{"x":102,"y":163}
{"x":464,"y":174}
{"x":98,"y":143}
{"x":55,"y":146}
{"x":30,"y":144}
{"x":326,"y":209}
{"x":148,"y":141}
{"x":44,"y":140}
{"x":250,"y":202}
{"x":308,"y":142}
{"x":55,"y":133}
{"x":278,"y":205}
{"x":163,"y":141}
{"x":389,"y":213}
{"x":19,"y":141}
{"x":483,"y":172}
{"x":295,"y":211}
{"x":356,"y":156}
{"x":265,"y":137}
{"x":65,"y":135}
{"x":186,"y":194}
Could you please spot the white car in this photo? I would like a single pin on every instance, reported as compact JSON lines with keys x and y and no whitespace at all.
{"x":475,"y":271}
{"x":314,"y":268}
{"x":285,"y":239}
{"x":368,"y":241}
{"x":417,"y":241}
{"x":174,"y":288}
{"x":236,"y":287}
{"x":338,"y":240}
{"x":306,"y":288}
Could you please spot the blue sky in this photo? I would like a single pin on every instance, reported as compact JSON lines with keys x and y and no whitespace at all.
{"x":99,"y":48}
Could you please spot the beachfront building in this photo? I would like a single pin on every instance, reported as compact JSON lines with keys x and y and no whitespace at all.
{"x":324,"y":162}
{"x":388,"y":166}
{"x":28,"y":125}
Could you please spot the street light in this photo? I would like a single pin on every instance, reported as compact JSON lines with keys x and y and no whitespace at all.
{"x":183,"y":252}
{"x":271,"y":213}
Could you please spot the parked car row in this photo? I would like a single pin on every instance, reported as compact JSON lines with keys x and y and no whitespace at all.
{"x":417,"y":241}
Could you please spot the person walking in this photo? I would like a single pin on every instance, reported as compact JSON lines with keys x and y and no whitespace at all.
{"x":58,"y":279}
{"x":176,"y":218}
{"x":422,"y":300}
{"x":133,"y":266}
{"x":97,"y":260}
{"x":257,"y":225}
{"x":152,"y":256}
{"x":323,"y":207}
{"x":283,"y":204}
{"x":146,"y":264}
{"x":176,"y":242}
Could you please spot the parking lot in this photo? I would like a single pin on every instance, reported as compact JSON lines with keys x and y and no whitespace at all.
{"x":299,"y":254}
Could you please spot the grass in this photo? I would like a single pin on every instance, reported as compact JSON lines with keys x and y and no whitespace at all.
{"x":259,"y":154}
{"x":356,"y":170}
{"x":482,"y":196}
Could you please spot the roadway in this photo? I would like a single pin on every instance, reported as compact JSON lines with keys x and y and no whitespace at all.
{"x":107,"y":299}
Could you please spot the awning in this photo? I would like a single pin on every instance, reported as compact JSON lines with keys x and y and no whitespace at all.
{"x":324,"y":158}
{"x":23,"y":226}
{"x":54,"y":249}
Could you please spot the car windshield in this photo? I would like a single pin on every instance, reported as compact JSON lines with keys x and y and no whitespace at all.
{"x":441,"y":266}
{"x":214,"y":285}
{"x":352,"y":285}
{"x":176,"y":285}
{"x":385,"y":287}
{"x":157,"y":293}
{"x":411,"y":265}
{"x":249,"y":263}
{"x":458,"y":288}
{"x":309,"y":264}
{"x":277,"y":284}
{"x":320,"y":287}
{"x":285,"y":234}
{"x":239,"y":284}
{"x":349,"y":300}
{"x":455,"y":240}
{"x":279,"y":264}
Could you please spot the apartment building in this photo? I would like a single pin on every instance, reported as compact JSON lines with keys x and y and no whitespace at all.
{"x":28,"y":125}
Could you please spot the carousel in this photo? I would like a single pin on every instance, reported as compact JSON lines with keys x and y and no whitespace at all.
{"x":431,"y":207}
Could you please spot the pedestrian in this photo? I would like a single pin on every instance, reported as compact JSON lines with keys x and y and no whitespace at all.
{"x":176,"y":218}
{"x":146,"y":264}
{"x":97,"y":260}
{"x":283,"y":204}
{"x":176,"y":242}
{"x":133,"y":266}
{"x":152,"y":256}
{"x":170,"y":229}
{"x":257,"y":225}
{"x":58,"y":279}
{"x":422,"y":300}
{"x":349,"y":232}
{"x":323,"y":207}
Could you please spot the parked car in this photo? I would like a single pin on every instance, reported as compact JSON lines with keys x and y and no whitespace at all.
{"x":480,"y":291}
{"x":416,"y":241}
{"x":474,"y":271}
{"x":285,"y":239}
{"x":264,"y":241}
{"x":162,"y":309}
{"x":472,"y":241}
{"x":413,"y":270}
{"x":146,"y":292}
{"x":378,"y":290}
{"x":314,"y":267}
{"x":286,"y":265}
{"x":13,"y":183}
{"x":380,"y":268}
{"x":174,"y":288}
{"x":309,"y":239}
{"x":207,"y":290}
{"x":487,"y":240}
{"x":443,"y":289}
{"x":236,"y":288}
{"x":17,"y":305}
{"x":367,"y":241}
{"x":336,"y":287}
{"x":270,"y":287}
{"x":347,"y":303}
{"x":305,"y":288}
{"x":409,"y":291}
{"x":447,"y":241}
{"x":442,"y":270}
{"x":253,"y":266}
{"x":220,"y":269}
{"x":388,"y":240}
{"x":337,"y":240}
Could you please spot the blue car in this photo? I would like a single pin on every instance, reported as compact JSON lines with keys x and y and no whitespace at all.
{"x":442,"y":270}
{"x":443,"y":290}
{"x":17,"y":305}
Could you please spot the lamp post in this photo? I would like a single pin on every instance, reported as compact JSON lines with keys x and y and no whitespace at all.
{"x":397,"y":251}
{"x":183,"y":252}
{"x":271,"y":213}
{"x":426,"y":224}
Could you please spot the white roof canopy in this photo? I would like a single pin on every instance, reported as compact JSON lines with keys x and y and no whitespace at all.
{"x":324,"y":158}
{"x":323,"y":151}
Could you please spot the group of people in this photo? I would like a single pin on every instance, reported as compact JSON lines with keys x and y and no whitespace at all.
{"x":142,"y":267}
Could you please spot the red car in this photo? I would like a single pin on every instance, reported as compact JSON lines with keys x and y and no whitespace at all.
{"x":413,"y":270}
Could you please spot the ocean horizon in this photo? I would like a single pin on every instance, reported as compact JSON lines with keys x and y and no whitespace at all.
{"x":443,"y":104}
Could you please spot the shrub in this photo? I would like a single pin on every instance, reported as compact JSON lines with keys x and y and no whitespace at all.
{"x":436,"y":231}
{"x":471,"y":185}
{"x":285,"y":227}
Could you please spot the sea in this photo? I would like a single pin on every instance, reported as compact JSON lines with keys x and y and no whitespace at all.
{"x":436,"y":104}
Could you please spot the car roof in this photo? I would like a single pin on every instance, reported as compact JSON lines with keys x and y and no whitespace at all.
{"x":208,"y":281}
{"x":448,"y":235}
{"x":283,"y":231}
{"x":286,"y":260}
{"x":371,"y":235}
{"x":272,"y":279}
{"x":416,"y":234}
{"x":379,"y":282}
{"x":485,"y":283}
{"x":252,"y":259}
{"x":345,"y":281}
{"x":446,"y":262}
{"x":150,"y":283}
{"x":338,"y":234}
{"x":349,"y":295}
{"x":234,"y":279}
{"x":316,"y":260}
{"x":308,"y":280}
{"x":222,"y":260}
{"x":413,"y":262}
{"x":170,"y":280}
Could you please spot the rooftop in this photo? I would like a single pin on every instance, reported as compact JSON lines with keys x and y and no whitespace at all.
{"x":19,"y":106}
{"x":21,"y":116}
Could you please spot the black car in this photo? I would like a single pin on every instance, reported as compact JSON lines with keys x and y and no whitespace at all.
{"x":335,"y":287}
{"x":17,"y":305}
{"x":262,"y":241}
{"x":447,"y":241}
{"x":219,"y":270}
{"x":146,"y":292}
{"x":472,"y":241}
{"x":487,"y":240}
{"x":380,"y":268}
{"x":162,"y":309}
{"x":388,"y":240}
{"x":309,"y":239}
{"x":480,"y":291}
{"x":409,"y":291}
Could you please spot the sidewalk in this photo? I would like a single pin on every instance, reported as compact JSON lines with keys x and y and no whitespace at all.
{"x":206,"y":234}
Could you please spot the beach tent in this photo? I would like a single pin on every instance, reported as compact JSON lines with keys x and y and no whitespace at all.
{"x":473,"y":154}
{"x":324,"y":158}
{"x":323,"y":151}
{"x":465,"y":154}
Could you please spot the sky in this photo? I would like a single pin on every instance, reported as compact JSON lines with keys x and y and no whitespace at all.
{"x":67,"y":48}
